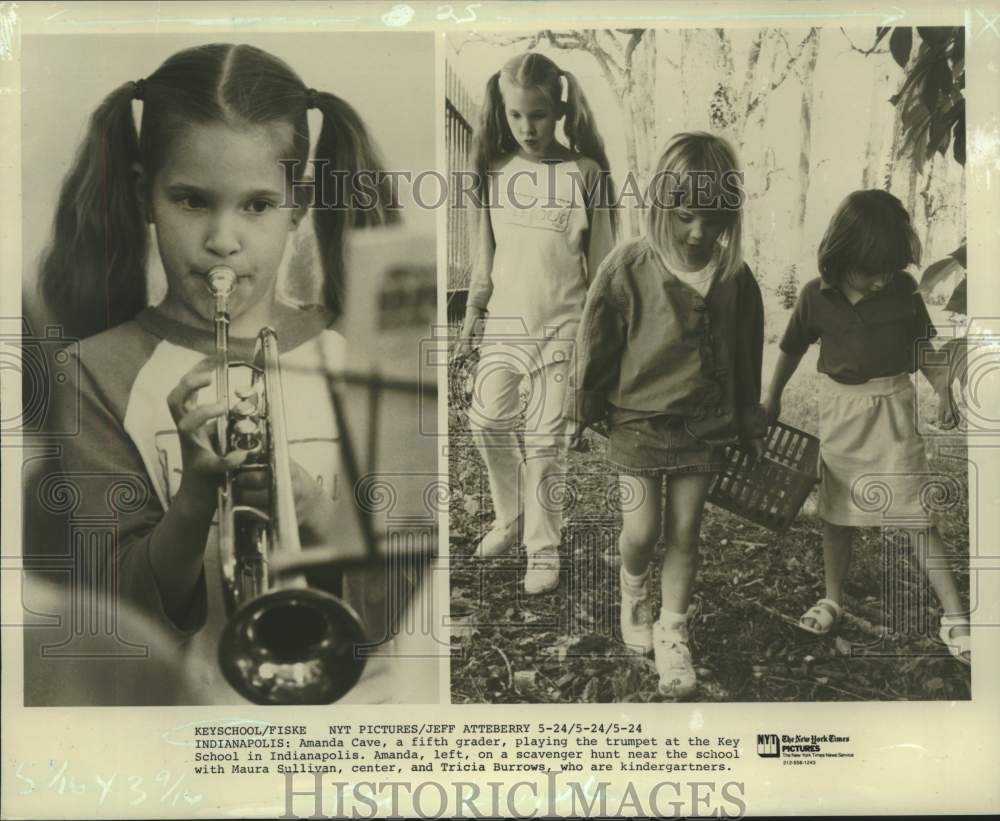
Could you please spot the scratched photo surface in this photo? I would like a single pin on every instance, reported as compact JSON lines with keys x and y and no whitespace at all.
{"x":812,"y":115}
{"x":316,"y":596}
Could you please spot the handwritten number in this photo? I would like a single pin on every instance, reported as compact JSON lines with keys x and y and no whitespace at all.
{"x":134,"y":782}
{"x":447,"y":12}
{"x":31,"y":781}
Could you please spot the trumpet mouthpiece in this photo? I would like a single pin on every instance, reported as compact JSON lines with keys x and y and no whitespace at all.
{"x":221,"y":280}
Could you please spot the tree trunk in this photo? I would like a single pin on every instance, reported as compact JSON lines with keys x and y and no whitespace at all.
{"x":749,"y":83}
{"x":752,"y":232}
{"x":930,"y":206}
{"x":895,"y":182}
{"x":632,"y":158}
{"x":806,"y":74}
{"x":876,"y":122}
{"x":685,"y":61}
{"x":722,"y":107}
{"x":639,"y":97}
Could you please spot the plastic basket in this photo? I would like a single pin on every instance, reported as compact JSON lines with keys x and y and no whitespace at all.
{"x":769,"y":491}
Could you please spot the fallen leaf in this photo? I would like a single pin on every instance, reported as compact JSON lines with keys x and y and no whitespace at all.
{"x":524,"y":680}
{"x":464,"y":627}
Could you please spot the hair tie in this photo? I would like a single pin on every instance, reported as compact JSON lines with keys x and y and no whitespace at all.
{"x":312,"y":98}
{"x":139,"y":92}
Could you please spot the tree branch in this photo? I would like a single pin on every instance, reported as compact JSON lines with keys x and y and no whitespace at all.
{"x":499,"y":40}
{"x":792,"y":61}
{"x":614,"y":44}
{"x":586,"y":41}
{"x":865,"y":51}
{"x":633,"y":43}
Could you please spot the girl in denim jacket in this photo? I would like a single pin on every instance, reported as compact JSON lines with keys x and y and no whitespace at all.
{"x":669,"y":352}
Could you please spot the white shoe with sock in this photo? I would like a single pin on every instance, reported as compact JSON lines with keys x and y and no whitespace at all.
{"x":500,"y":539}
{"x":542,"y":574}
{"x":637,"y":615}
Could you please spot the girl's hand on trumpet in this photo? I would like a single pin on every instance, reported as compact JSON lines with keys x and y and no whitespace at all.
{"x":202,"y":465}
{"x":314,"y":509}
{"x":177,"y":542}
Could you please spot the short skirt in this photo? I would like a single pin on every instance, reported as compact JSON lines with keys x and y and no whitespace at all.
{"x":660,"y":444}
{"x":873,"y":466}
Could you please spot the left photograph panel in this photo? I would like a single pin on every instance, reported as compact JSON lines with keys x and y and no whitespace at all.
{"x":229,"y":413}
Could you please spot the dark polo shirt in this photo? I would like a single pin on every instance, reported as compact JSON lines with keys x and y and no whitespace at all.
{"x":876,"y":336}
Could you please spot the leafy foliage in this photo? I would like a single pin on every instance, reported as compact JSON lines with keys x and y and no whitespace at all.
{"x":788,"y":288}
{"x":937,"y":272}
{"x":931,"y":99}
{"x":931,"y":102}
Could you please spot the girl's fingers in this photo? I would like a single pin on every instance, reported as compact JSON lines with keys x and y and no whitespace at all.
{"x":184,"y":395}
{"x":224,"y":464}
{"x":250,"y":480}
{"x":234,"y":458}
{"x":192,"y":421}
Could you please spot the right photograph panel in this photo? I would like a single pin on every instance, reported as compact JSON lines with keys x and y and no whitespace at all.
{"x":706,"y":290}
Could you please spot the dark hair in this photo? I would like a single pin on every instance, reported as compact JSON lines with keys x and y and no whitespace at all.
{"x":93,"y":272}
{"x":870,"y":232}
{"x":494,"y":138}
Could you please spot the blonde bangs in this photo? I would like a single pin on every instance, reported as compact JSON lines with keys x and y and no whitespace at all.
{"x":685,"y":156}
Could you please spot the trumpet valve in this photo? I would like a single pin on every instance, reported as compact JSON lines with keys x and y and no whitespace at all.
{"x":244,"y":410}
{"x":246,"y":434}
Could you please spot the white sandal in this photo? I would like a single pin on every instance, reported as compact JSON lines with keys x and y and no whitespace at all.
{"x":826,"y":613}
{"x":959,"y":646}
{"x":673,"y":660}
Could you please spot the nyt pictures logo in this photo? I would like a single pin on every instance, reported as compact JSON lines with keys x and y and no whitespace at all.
{"x":768,"y":745}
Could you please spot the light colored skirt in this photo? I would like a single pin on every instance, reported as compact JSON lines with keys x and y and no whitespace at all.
{"x":873,"y":466}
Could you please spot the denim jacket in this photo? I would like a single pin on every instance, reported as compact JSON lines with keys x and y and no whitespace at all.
{"x":650,"y":345}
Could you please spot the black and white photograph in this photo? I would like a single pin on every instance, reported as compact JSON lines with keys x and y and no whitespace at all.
{"x":509,"y":409}
{"x":229,"y":496}
{"x":709,"y":311}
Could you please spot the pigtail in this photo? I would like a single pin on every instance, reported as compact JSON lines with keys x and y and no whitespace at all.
{"x":493,"y":139}
{"x":355,"y":171}
{"x":584,"y":138}
{"x":93,"y":273}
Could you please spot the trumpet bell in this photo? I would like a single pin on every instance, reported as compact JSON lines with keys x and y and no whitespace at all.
{"x":293,"y":646}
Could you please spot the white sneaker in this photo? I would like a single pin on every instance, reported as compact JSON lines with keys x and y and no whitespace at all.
{"x":543,"y":571}
{"x":673,"y":660}
{"x":499,"y":540}
{"x":637,"y":617}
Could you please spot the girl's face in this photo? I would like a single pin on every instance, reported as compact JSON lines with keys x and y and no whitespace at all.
{"x":866,"y":283}
{"x":532,"y":118}
{"x":214,"y":202}
{"x":694,"y":233}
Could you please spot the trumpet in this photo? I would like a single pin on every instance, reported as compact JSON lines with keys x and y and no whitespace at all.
{"x":284,"y":642}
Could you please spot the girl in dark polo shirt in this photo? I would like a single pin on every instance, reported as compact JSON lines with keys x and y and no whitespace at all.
{"x":869,"y":319}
